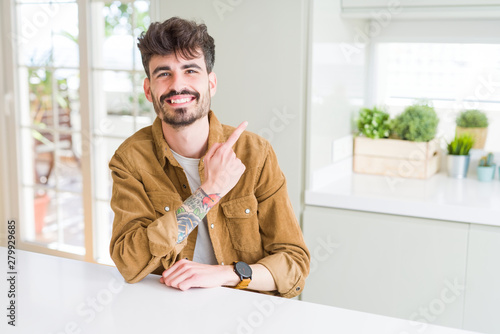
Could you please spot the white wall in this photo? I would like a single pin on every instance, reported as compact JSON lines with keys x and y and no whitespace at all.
{"x":260,"y":62}
{"x":337,"y":79}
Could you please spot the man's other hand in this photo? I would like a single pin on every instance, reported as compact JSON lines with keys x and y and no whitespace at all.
{"x":186,"y":274}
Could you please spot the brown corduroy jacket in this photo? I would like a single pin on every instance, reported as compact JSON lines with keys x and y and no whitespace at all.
{"x":254,"y":222}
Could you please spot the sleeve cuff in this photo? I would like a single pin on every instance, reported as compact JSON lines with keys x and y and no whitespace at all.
{"x":289,"y":281}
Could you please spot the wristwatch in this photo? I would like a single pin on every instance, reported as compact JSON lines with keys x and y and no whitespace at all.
{"x":244,"y":272}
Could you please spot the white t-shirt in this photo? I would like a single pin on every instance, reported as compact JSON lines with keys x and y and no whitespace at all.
{"x":203,"y":250}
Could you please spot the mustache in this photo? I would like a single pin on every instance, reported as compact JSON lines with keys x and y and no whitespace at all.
{"x":182,"y":92}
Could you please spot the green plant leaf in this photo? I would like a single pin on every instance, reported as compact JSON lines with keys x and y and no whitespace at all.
{"x":472,"y":118}
{"x":460,"y":145}
{"x":417,"y":123}
{"x":374,"y":123}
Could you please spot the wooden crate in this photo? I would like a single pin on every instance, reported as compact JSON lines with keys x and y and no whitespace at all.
{"x":396,"y":158}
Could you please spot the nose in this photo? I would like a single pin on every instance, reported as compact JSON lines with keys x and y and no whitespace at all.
{"x":177,"y":83}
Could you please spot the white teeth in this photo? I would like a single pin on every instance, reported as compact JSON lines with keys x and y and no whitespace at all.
{"x":180,"y":100}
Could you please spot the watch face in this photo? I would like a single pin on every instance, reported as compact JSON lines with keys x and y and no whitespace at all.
{"x":243,"y":269}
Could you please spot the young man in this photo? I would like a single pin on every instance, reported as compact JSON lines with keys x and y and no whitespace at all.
{"x":201,"y":203}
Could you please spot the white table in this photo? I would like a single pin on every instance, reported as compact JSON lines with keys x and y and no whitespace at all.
{"x":57,"y":295}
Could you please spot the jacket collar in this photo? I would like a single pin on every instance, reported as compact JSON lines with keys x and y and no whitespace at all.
{"x":163,"y":151}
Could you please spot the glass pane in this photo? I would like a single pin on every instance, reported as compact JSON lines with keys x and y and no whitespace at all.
{"x":47,"y":34}
{"x":43,"y":157}
{"x":72,"y":222}
{"x":103,"y":226}
{"x":44,"y":160}
{"x":68,"y":99}
{"x":113,"y":104}
{"x":40,"y":97}
{"x":42,"y":223}
{"x":143,"y":121}
{"x":54,"y":220}
{"x":39,"y":162}
{"x":118,"y":90}
{"x":438,"y":71}
{"x":65,"y":36}
{"x":33,"y":35}
{"x":68,"y":169}
{"x":113,"y":36}
{"x":141,"y":23}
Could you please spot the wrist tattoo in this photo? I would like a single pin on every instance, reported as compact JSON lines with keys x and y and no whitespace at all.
{"x":209,"y":200}
{"x":192,"y":212}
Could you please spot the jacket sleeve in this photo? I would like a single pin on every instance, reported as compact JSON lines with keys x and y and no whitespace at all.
{"x":140,"y":243}
{"x":288,"y":259}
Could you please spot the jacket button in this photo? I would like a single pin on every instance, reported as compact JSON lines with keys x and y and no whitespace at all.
{"x":184,"y":186}
{"x":247,"y":211}
{"x":167,"y":209}
{"x":297,"y":288}
{"x":212,"y":226}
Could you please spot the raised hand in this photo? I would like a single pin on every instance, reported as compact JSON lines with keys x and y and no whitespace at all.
{"x":222,"y":168}
{"x":222,"y":171}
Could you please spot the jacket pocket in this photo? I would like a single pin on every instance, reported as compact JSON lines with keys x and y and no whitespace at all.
{"x":163,"y":203}
{"x":243,"y":224}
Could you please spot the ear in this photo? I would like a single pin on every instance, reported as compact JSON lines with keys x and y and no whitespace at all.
{"x":212,"y":81}
{"x":147,"y":90}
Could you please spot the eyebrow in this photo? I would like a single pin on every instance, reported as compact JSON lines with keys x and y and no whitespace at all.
{"x":183,"y":67}
{"x":192,"y":65}
{"x":161,"y":68}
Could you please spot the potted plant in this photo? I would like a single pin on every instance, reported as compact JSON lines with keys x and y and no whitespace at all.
{"x":458,"y":155}
{"x":417,"y":123}
{"x":486,"y":168}
{"x":374,"y":123}
{"x":404,"y":147}
{"x":474,"y":122}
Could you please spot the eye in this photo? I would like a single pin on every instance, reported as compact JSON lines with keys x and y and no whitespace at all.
{"x":163,"y":74}
{"x":190,"y":71}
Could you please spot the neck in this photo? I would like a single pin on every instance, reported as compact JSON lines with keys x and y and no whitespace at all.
{"x":190,"y":141}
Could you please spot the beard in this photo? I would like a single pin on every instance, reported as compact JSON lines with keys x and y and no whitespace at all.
{"x":178,"y":118}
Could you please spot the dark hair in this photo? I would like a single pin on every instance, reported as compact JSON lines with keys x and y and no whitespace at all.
{"x":178,"y":36}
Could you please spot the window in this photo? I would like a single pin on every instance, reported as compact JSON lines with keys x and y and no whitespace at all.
{"x":453,"y":76}
{"x":64,"y":147}
{"x":120,"y":107}
{"x":50,"y":131}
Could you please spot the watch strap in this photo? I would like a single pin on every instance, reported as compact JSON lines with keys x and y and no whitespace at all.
{"x":243,"y":284}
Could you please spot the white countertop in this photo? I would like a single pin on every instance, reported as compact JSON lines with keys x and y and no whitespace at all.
{"x":439,"y":197}
{"x":56,"y":295}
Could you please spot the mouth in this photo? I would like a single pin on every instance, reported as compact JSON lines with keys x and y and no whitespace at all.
{"x":180,"y":100}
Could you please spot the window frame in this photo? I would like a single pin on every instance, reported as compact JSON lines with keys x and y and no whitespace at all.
{"x":11,"y":200}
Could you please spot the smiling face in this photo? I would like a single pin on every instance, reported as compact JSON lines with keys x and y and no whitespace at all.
{"x":180,"y":89}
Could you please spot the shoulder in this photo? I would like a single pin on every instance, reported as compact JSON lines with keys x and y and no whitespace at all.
{"x":139,"y":144}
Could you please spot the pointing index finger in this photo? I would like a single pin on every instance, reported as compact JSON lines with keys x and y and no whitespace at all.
{"x":236,"y":134}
